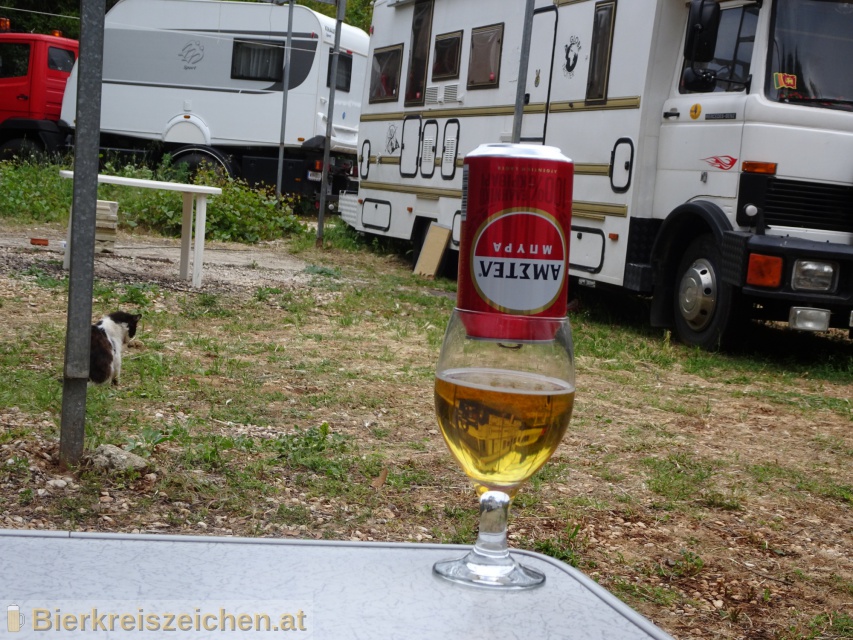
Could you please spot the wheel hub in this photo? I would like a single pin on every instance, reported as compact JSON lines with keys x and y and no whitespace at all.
{"x":697,"y":294}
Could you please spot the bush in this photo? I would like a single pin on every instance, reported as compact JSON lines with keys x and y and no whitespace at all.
{"x":33,"y":192}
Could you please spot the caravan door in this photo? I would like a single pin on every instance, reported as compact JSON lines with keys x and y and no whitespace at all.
{"x":540,"y":67}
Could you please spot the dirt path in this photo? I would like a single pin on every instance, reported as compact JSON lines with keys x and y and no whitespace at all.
{"x":155,"y":259}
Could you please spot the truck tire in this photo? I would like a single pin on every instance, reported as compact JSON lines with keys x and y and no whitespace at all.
{"x":196,"y":156}
{"x":707,"y":310}
{"x":19,"y":148}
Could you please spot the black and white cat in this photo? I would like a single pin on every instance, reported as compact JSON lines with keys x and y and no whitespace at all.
{"x":109,"y":336}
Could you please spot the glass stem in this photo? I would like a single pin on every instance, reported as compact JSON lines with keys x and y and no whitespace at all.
{"x":491,"y":538}
{"x":489,"y":563}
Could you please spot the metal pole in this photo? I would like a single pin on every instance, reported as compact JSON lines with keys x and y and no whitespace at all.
{"x":333,"y":83}
{"x":84,"y":202}
{"x":285,"y":89}
{"x":521,"y":89}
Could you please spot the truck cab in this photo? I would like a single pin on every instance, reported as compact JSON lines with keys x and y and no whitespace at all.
{"x":34,"y":70}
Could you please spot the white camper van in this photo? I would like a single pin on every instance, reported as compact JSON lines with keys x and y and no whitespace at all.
{"x":712,"y":142}
{"x":203,"y":80}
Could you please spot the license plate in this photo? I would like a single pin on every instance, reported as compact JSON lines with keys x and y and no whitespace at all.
{"x":316,"y":176}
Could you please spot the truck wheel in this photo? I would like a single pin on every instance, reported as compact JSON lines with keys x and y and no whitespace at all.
{"x":18,"y":148}
{"x":707,"y":310}
{"x":196,"y":157}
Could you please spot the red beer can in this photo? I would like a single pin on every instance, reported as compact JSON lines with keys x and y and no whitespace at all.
{"x":514,"y":244}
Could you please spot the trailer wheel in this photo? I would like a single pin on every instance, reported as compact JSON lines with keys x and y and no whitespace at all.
{"x":196,"y":157}
{"x":707,"y":310}
{"x":18,"y":148}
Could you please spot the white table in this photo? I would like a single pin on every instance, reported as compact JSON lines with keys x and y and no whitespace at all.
{"x":345,"y":590}
{"x":195,"y":200}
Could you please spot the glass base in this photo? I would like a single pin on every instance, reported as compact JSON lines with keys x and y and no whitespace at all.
{"x":478,"y":570}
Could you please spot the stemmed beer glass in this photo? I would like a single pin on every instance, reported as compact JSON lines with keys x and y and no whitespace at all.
{"x":503,"y":406}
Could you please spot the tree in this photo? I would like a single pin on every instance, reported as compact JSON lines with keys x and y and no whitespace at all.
{"x":43,"y":16}
{"x":359,"y":12}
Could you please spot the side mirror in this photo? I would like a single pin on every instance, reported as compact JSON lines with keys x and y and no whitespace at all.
{"x":699,"y":80}
{"x":702,"y":24}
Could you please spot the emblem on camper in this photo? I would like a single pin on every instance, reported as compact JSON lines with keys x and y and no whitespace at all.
{"x":192,"y":53}
{"x":391,"y":142}
{"x":572,"y":51}
{"x":721,"y":162}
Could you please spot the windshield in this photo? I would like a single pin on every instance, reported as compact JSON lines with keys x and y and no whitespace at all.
{"x":810,"y":54}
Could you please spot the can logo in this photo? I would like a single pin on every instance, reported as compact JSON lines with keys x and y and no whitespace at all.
{"x":518,"y":261}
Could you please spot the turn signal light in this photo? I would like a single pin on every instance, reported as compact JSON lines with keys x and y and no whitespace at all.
{"x":764,"y":271}
{"x":751,"y":166}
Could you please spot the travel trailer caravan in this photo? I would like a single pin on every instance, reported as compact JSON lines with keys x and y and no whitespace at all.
{"x":712,"y":143}
{"x":203,"y":80}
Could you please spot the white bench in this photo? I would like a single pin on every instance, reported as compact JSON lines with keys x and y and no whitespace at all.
{"x":195,"y":201}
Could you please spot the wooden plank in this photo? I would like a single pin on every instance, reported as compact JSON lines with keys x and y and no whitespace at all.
{"x":433,"y":250}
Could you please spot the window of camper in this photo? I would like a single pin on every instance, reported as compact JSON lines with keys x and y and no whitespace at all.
{"x":344,"y":71}
{"x":599,"y":63}
{"x":448,"y":51}
{"x":257,"y":60}
{"x":733,"y":53}
{"x":60,"y":59}
{"x":14,"y":59}
{"x":484,"y":67}
{"x":385,"y":73}
{"x":419,"y":53}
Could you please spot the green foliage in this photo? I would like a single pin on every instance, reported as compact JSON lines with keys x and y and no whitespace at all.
{"x":263,"y":294}
{"x":678,"y":476}
{"x":240,"y":214}
{"x":42,"y":16}
{"x":144,"y":443}
{"x":687,"y":565}
{"x":325,"y":272}
{"x":359,"y":13}
{"x":33,"y":192}
{"x":245,"y":214}
{"x":44,"y":279}
{"x":566,"y":547}
{"x":205,"y":305}
{"x":316,"y":449}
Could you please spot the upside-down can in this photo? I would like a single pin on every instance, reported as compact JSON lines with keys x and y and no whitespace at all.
{"x":514,"y":244}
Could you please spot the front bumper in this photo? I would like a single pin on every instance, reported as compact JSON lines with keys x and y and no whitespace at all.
{"x":776,"y":301}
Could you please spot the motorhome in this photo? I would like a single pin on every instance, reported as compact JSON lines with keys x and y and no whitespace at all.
{"x":202,"y":80}
{"x":712,"y":143}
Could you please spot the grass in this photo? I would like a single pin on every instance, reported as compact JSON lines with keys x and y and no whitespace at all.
{"x":307,"y":411}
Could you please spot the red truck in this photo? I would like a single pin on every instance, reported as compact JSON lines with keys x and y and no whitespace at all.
{"x":33,"y":71}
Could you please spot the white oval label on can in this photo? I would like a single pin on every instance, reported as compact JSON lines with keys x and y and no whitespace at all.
{"x":518,"y":261}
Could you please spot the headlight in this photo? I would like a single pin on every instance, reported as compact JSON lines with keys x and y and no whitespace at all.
{"x":814,"y":275}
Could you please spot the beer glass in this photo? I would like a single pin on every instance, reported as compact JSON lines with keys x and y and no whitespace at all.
{"x":503,"y":406}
